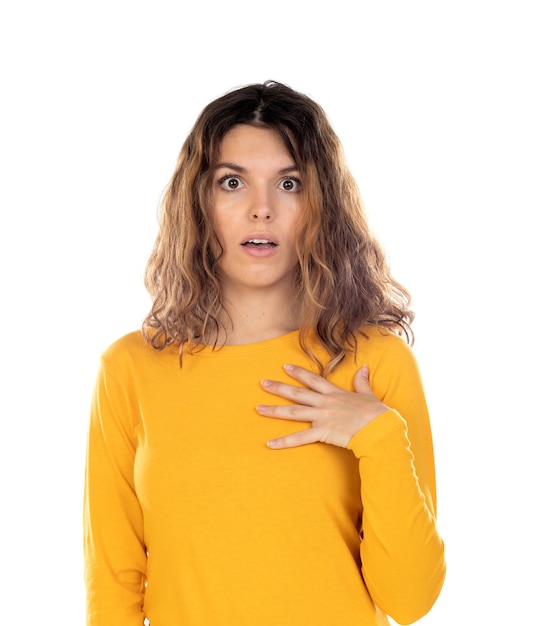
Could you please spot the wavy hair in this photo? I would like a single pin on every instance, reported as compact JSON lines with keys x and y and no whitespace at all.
{"x":343,"y":277}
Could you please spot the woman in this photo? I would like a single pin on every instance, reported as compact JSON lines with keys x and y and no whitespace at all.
{"x":260,"y":453}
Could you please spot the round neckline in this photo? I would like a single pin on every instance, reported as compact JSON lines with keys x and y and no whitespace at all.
{"x":265,"y":344}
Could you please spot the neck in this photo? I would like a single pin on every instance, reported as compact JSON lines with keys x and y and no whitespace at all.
{"x":253,"y":317}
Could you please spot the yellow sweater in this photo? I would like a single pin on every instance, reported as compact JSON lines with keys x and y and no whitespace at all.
{"x":191,"y":520}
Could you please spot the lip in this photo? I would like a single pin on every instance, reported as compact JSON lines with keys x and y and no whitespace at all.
{"x":261,"y":252}
{"x":260,"y":235}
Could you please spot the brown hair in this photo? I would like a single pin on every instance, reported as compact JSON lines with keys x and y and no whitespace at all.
{"x":342,"y":276}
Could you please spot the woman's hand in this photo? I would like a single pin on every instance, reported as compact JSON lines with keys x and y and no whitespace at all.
{"x":335,"y":414}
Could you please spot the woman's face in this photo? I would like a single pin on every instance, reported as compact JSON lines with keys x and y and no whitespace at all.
{"x":257,"y":199}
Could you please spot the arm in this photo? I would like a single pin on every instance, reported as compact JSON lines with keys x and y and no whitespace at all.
{"x":387,"y":428}
{"x":402,"y":554}
{"x":115,"y":556}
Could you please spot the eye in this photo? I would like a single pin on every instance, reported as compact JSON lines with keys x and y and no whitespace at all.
{"x":291,"y":184}
{"x":230,"y":183}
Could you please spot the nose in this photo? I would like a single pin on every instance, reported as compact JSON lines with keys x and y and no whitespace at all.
{"x":261,"y":208}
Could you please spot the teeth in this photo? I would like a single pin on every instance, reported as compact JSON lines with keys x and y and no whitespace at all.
{"x":258,"y":241}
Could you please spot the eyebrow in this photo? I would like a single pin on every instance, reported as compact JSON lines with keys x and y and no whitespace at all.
{"x":242,"y":170}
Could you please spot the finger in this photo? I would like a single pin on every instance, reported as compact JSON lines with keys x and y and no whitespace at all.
{"x":310,"y":379}
{"x":301,"y":438}
{"x":299,"y":395}
{"x":361,"y":380}
{"x":293,"y":412}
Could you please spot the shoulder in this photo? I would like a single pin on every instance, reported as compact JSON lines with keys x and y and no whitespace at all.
{"x":127,"y":344}
{"x":390,"y":359}
{"x":128,"y":351}
{"x":132,"y":363}
{"x":375,"y":344}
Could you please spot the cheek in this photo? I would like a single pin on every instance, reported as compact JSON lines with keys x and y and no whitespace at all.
{"x":295,"y":221}
{"x":226,"y":232}
{"x":218,"y":223}
{"x":216,"y":235}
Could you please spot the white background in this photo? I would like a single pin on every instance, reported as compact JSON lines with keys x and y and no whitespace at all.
{"x":436,"y":105}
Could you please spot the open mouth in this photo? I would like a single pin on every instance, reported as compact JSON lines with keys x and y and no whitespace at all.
{"x":259,"y":243}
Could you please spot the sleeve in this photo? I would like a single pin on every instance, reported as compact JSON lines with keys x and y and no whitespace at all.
{"x":402,"y":554}
{"x":114,"y":551}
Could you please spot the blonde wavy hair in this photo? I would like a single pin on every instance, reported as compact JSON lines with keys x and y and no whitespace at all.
{"x":342,"y":276}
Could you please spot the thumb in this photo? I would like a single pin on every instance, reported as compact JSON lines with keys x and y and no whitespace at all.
{"x":361,"y":380}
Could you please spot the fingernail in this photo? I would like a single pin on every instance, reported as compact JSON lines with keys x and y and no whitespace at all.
{"x":271,"y":443}
{"x":266,"y":383}
{"x":288,"y":368}
{"x":261,"y":408}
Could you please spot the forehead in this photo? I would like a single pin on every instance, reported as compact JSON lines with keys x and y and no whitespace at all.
{"x":248,"y":140}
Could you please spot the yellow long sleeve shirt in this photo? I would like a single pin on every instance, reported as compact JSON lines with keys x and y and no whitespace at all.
{"x":191,"y":520}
